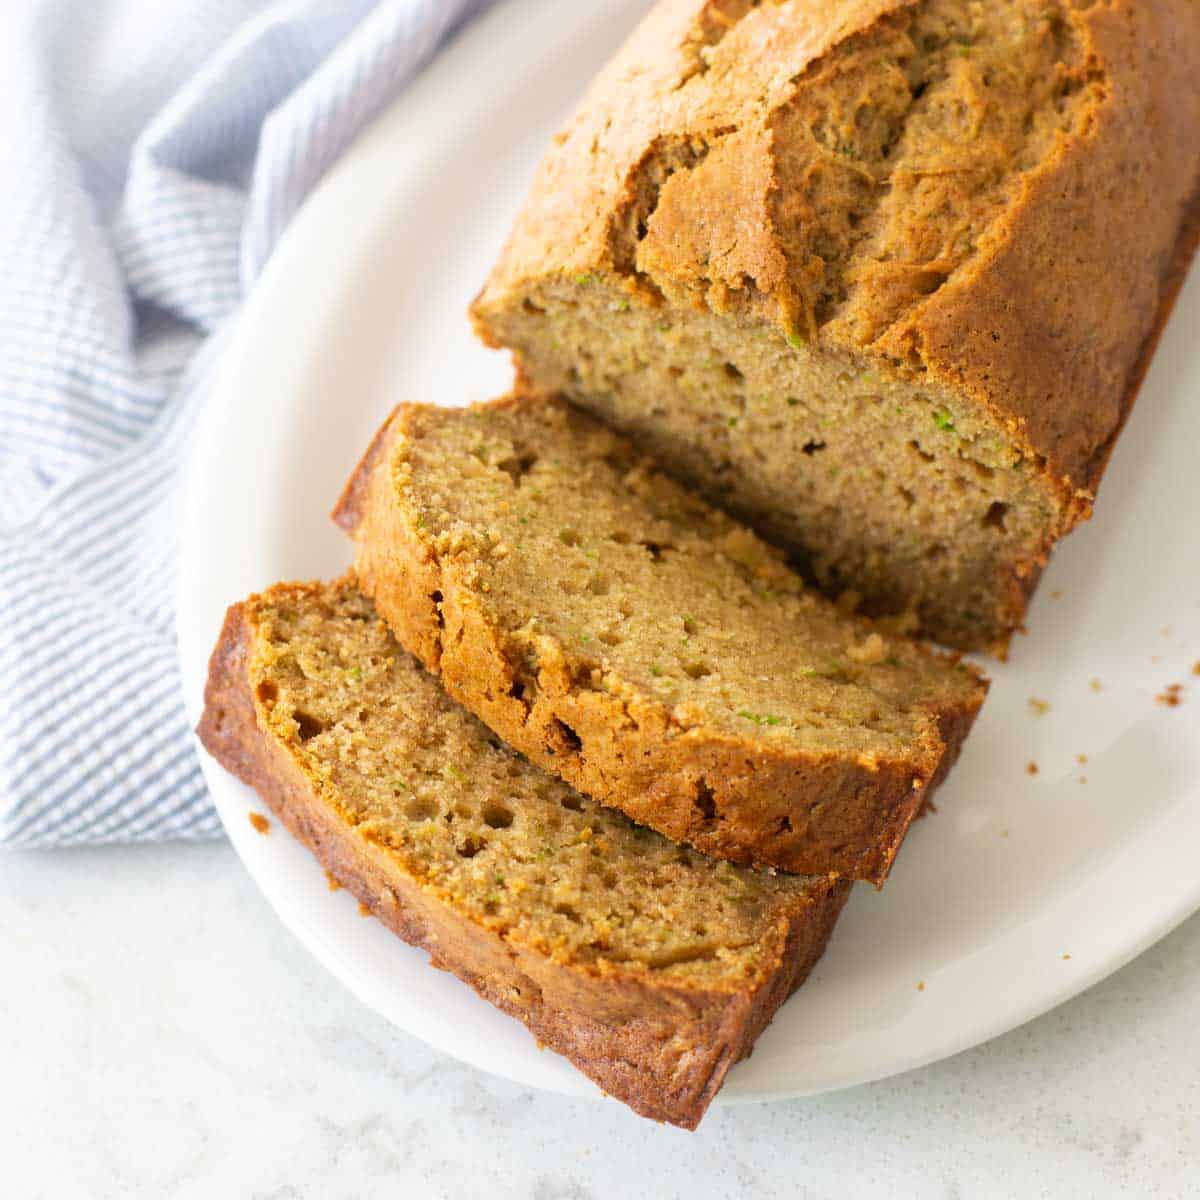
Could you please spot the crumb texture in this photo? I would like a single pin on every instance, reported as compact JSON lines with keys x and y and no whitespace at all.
{"x":497,"y":839}
{"x":645,"y":646}
{"x":576,"y":543}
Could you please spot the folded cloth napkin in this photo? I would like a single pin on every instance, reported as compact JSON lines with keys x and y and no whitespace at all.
{"x":154,"y":155}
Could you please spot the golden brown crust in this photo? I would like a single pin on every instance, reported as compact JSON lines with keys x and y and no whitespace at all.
{"x":638,"y":107}
{"x":739,"y":799}
{"x":414,"y":594}
{"x":1180,"y":262}
{"x":1048,"y":327}
{"x":664,"y":1050}
{"x":1025,"y":578}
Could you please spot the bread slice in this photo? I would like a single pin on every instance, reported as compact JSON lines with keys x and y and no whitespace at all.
{"x":644,"y":646}
{"x":651,"y":968}
{"x":879,"y":277}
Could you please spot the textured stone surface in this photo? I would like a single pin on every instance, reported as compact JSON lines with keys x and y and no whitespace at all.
{"x":168,"y":1038}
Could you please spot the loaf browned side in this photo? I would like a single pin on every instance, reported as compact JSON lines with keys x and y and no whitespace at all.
{"x":670,"y":186}
{"x":662,"y":1049}
{"x":736,"y":798}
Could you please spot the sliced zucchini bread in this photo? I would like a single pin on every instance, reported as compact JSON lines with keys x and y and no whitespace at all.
{"x":652,"y":968}
{"x":644,"y":646}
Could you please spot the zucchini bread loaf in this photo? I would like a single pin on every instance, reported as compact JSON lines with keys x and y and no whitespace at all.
{"x":651,"y":968}
{"x":879,"y":277}
{"x":641,"y":644}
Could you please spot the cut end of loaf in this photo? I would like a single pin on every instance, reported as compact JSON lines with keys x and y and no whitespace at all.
{"x":881,"y":485}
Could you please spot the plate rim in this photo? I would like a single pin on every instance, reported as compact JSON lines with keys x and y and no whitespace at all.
{"x":231,"y":798}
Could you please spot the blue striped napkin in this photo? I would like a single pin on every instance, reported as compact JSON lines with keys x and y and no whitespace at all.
{"x":154,"y":154}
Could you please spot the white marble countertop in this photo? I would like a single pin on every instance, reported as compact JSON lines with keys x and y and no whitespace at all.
{"x":162,"y":1035}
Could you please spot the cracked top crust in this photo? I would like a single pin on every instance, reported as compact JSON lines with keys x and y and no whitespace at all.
{"x":989,"y":194}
